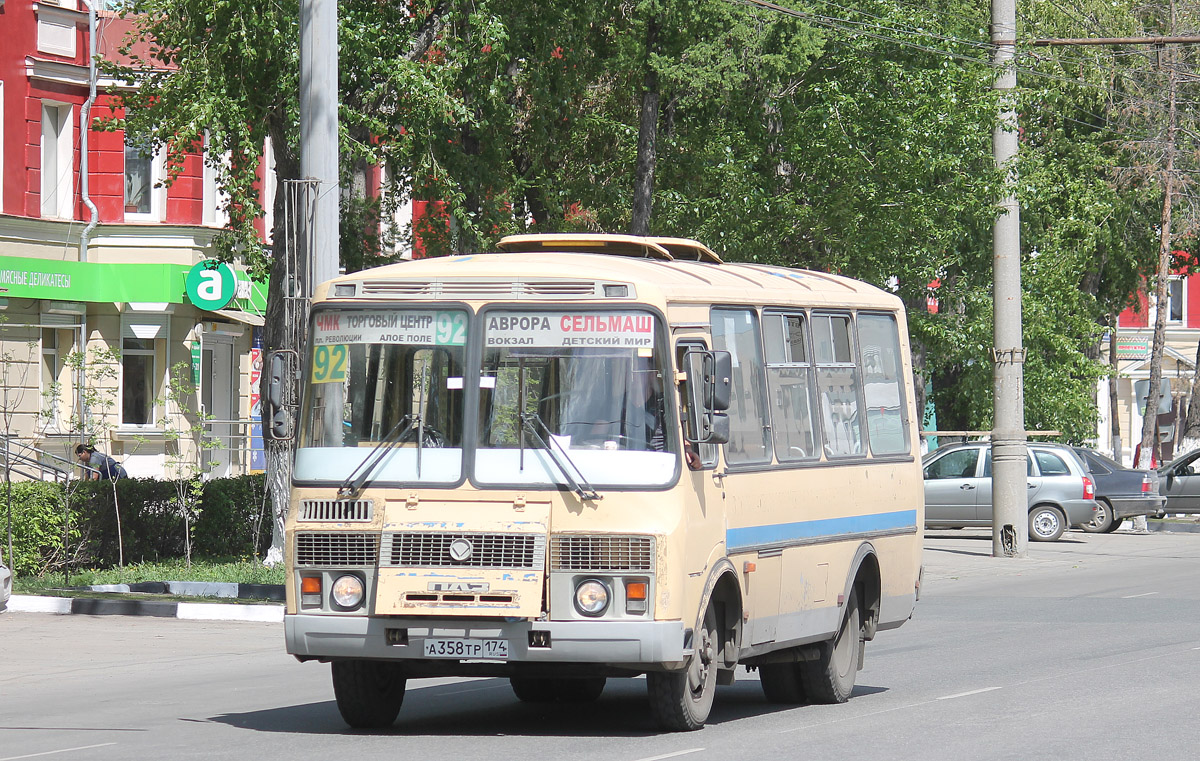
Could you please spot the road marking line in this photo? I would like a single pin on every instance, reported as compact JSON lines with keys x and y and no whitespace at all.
{"x":964,"y":694}
{"x":1143,"y":594}
{"x":655,"y":758}
{"x":52,"y":752}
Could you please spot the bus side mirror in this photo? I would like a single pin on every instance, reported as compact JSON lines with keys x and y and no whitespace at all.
{"x":717,"y":428}
{"x":721,"y":381}
{"x":276,"y":416}
{"x":708,"y":394}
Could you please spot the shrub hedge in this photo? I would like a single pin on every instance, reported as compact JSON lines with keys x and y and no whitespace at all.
{"x":233,"y":521}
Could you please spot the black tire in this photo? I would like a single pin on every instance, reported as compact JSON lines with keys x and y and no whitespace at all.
{"x":549,"y":690}
{"x":1116,"y":524}
{"x":830,"y":678}
{"x":680,"y":701}
{"x":369,"y":693}
{"x":781,"y":682}
{"x":1046,"y":523}
{"x":1102,"y":520}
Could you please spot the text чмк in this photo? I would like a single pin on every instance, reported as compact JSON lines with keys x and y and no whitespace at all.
{"x":617,"y":323}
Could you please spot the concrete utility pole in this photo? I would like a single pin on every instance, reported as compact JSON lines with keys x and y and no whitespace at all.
{"x":1010,"y":506}
{"x":319,"y":130}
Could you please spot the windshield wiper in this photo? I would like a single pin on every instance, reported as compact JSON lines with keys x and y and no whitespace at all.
{"x":531,"y":421}
{"x":356,"y":480}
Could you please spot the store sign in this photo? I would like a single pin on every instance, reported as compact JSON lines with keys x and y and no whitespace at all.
{"x":624,"y":330}
{"x":1133,"y":348}
{"x":211,"y":284}
{"x":26,"y":278}
{"x":390,"y":326}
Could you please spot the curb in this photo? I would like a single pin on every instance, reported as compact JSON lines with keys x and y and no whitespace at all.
{"x":197,"y":589}
{"x":1174,"y":527}
{"x":193,"y":611}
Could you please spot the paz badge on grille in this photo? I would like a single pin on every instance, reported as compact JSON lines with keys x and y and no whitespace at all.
{"x":461,"y":549}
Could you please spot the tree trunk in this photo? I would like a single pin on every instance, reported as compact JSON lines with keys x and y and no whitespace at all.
{"x":284,"y":325}
{"x":643,"y":181}
{"x":1149,"y":437}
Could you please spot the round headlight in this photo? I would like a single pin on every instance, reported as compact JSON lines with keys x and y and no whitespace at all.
{"x":591,"y":597}
{"x":347,"y":591}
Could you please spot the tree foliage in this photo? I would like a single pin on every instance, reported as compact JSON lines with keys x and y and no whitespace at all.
{"x":850,"y":137}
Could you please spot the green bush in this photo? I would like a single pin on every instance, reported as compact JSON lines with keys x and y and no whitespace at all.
{"x":231,"y":523}
{"x":37,"y":526}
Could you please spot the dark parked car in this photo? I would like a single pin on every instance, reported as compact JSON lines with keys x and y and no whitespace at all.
{"x":1179,"y":482}
{"x":1121,"y":492}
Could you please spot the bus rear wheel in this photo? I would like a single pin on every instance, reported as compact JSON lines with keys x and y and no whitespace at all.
{"x":680,"y":701}
{"x":830,"y":678}
{"x":369,"y":693}
{"x":546,"y":690}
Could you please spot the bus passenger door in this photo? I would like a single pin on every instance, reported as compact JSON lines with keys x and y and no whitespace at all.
{"x":703,"y":484}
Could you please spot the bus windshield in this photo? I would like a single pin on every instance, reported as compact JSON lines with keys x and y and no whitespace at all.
{"x":381,"y":379}
{"x":588,"y":386}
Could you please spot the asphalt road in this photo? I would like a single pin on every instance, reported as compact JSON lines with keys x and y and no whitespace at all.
{"x":1088,"y":649}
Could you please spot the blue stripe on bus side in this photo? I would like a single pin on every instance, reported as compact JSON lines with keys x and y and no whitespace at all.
{"x":781,"y":533}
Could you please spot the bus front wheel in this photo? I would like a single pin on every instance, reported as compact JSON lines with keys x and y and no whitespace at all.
{"x":369,"y":693}
{"x":680,"y":701}
{"x":830,"y":678}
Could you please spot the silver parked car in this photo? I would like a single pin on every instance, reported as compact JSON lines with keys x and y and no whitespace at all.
{"x":958,"y":489}
{"x":1179,"y":482}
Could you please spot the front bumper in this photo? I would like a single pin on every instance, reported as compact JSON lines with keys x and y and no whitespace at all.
{"x":599,"y":642}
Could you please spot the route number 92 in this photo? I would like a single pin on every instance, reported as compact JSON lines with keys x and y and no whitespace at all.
{"x":329,"y":363}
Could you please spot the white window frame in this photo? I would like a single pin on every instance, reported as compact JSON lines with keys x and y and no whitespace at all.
{"x":215,"y":201}
{"x":57,"y":185}
{"x":155,"y":328}
{"x":158,"y":190}
{"x":1182,"y":281}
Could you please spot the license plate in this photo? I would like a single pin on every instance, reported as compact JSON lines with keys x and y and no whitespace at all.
{"x":466,"y":648}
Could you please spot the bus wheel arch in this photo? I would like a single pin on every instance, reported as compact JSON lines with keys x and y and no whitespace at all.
{"x":726,"y":597}
{"x":866,"y":581}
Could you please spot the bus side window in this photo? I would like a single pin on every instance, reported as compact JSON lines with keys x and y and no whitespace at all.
{"x":883,"y":385}
{"x":790,"y":385}
{"x":736,"y":331}
{"x":708,"y":452}
{"x":837,"y":385}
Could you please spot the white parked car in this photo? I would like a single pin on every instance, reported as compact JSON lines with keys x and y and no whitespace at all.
{"x":5,"y":585}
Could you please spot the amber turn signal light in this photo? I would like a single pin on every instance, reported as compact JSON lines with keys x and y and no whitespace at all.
{"x":310,"y":585}
{"x":635,"y":590}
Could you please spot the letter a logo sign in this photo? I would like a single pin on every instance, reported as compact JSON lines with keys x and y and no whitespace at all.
{"x":211,"y":284}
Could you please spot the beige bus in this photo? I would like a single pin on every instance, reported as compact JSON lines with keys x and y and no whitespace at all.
{"x":586,"y":457}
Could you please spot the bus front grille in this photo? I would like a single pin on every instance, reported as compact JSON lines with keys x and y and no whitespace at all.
{"x":336,"y":510}
{"x":602,"y":553}
{"x":464,"y":550}
{"x":336,"y":550}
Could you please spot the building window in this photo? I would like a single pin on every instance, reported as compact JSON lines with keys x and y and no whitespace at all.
{"x":137,"y":381}
{"x":51,"y":384}
{"x":145,"y":171}
{"x":1176,"y":299}
{"x":57,"y":156}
